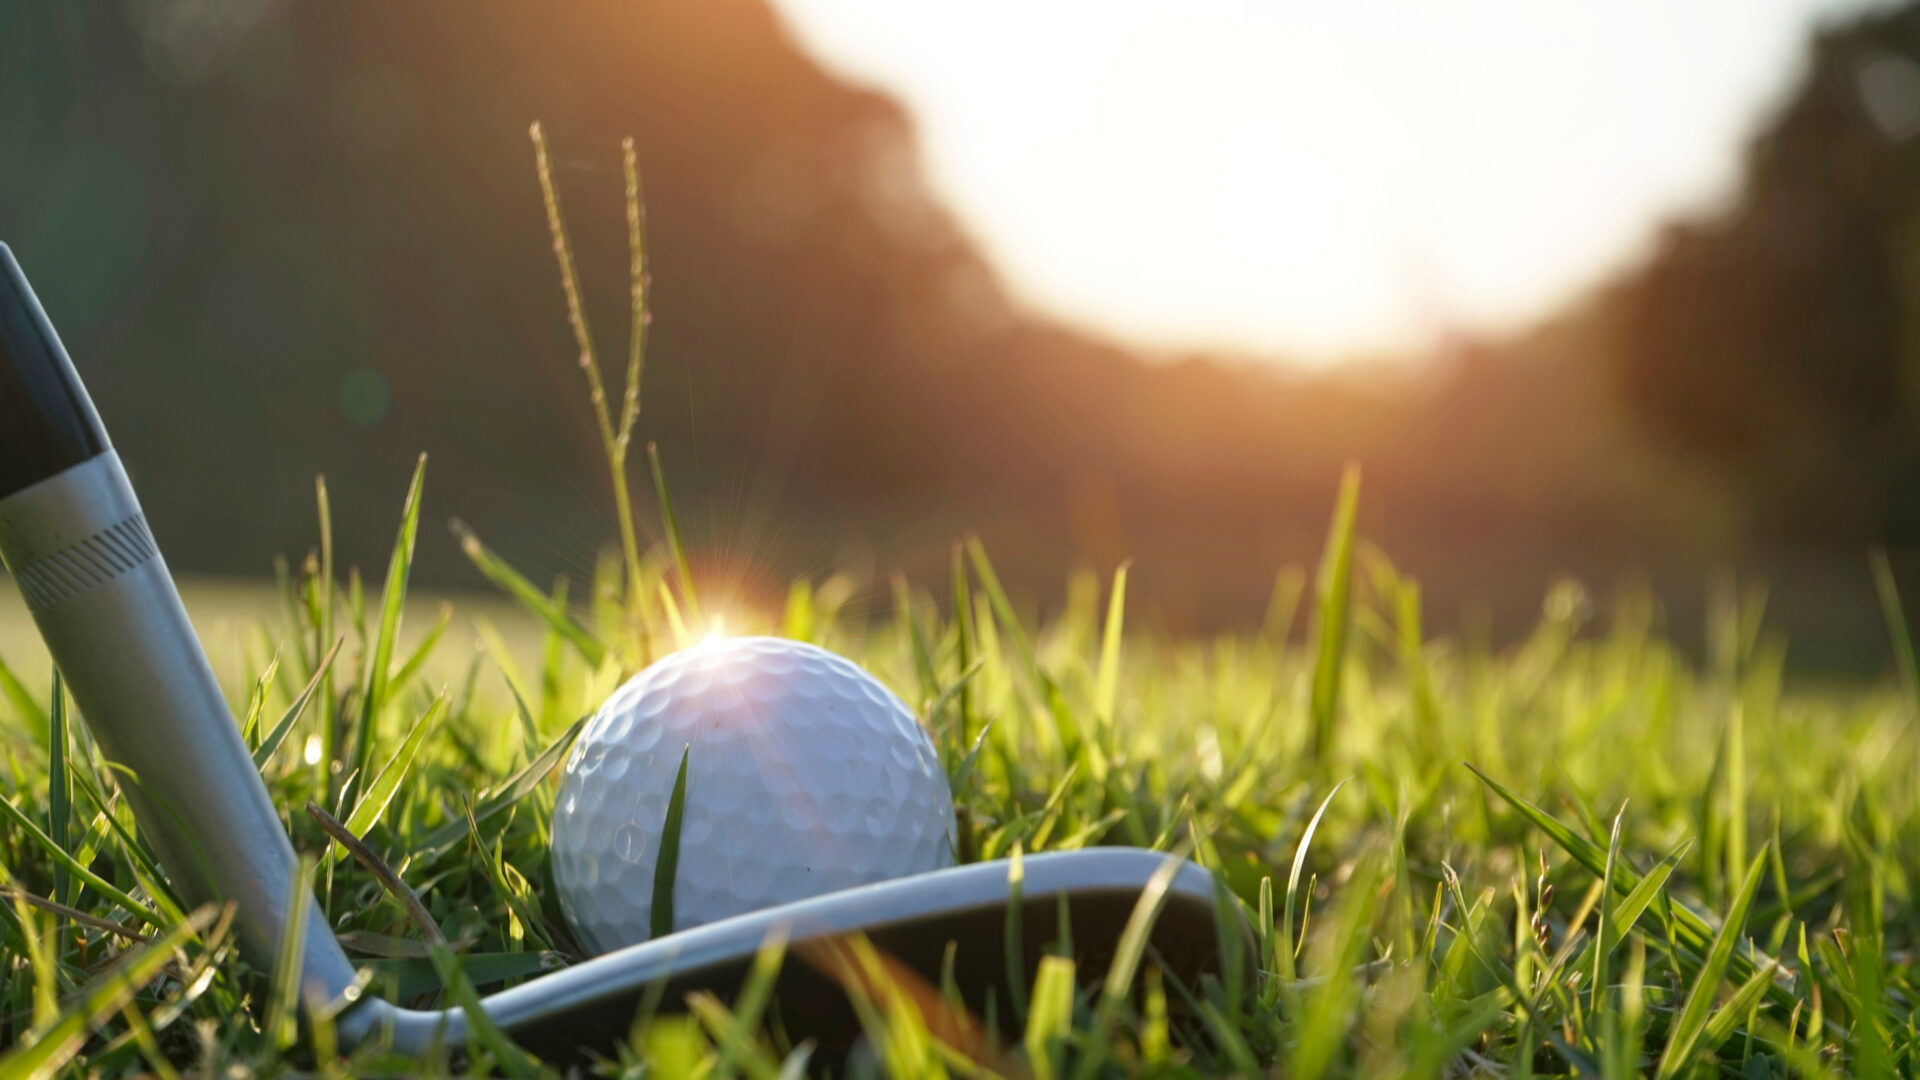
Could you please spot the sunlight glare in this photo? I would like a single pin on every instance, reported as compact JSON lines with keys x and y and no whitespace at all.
{"x":1311,"y":180}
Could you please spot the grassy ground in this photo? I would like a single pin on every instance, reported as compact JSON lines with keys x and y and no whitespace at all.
{"x":1580,"y":855}
{"x":1759,"y":843}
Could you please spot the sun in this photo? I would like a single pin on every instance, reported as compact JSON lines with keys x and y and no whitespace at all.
{"x":1315,"y":180}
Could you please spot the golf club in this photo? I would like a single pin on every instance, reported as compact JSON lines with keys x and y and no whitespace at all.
{"x":74,"y":537}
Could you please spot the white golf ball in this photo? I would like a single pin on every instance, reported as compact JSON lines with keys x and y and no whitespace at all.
{"x":805,"y":775}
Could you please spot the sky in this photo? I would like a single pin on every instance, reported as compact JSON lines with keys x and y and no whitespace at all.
{"x":1311,"y":180}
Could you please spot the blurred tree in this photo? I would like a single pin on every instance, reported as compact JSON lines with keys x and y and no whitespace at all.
{"x":1782,"y":337}
{"x":284,"y":238}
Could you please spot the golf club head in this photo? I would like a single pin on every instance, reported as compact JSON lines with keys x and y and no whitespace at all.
{"x":997,"y":929}
{"x":76,"y":541}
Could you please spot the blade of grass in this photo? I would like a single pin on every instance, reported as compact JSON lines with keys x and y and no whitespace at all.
{"x":329,"y":720}
{"x":1728,"y":1016}
{"x":59,"y":785}
{"x":1607,"y":933}
{"x":614,"y":440}
{"x":365,"y":856}
{"x":144,"y":865}
{"x":515,"y":584}
{"x":1107,"y":682}
{"x":1686,"y":1037}
{"x":271,"y":743}
{"x":1691,"y":929}
{"x":366,"y":813}
{"x":636,"y":360}
{"x":393,"y":598}
{"x":92,"y":922}
{"x":1627,"y":913}
{"x":43,"y":1055}
{"x":418,"y":658}
{"x":1010,"y":623}
{"x":511,"y":889}
{"x":1128,"y":952}
{"x":281,"y":1026}
{"x":1050,"y":1016}
{"x":965,"y":654}
{"x":517,"y":787}
{"x":43,"y":968}
{"x":82,"y":874}
{"x":666,"y":868}
{"x":676,"y":543}
{"x":904,"y":619}
{"x":257,"y":701}
{"x":509,"y":1058}
{"x":1897,"y":629}
{"x":1336,"y":575}
{"x":1288,"y":946}
{"x":1016,"y":953}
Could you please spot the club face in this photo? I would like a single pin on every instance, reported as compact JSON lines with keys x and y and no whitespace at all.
{"x":1085,"y":897}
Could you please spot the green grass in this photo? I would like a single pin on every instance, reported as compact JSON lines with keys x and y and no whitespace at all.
{"x":1582,"y":854}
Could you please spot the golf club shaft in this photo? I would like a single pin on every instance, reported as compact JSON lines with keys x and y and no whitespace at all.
{"x":74,"y":537}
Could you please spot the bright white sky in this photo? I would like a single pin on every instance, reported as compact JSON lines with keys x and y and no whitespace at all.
{"x":1315,"y":179}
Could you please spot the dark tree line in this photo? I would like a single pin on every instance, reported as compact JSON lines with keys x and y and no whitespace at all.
{"x":1782,"y":338}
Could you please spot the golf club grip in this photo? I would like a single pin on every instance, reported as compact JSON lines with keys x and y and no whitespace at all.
{"x":87,"y":566}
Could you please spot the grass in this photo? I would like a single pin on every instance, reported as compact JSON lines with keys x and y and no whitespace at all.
{"x":1583,"y":854}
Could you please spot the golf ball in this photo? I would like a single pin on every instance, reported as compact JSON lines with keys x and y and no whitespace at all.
{"x":805,"y":775}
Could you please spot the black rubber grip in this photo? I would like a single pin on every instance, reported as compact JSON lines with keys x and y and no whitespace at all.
{"x":47,"y":422}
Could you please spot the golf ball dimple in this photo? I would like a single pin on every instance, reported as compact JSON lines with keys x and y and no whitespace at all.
{"x":805,"y":775}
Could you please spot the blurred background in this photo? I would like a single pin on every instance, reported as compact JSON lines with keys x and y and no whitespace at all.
{"x":1628,"y":291}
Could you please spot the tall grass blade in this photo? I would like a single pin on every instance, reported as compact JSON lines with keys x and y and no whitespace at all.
{"x":417,"y":660}
{"x":1010,"y":624}
{"x":965,"y":649}
{"x":1728,"y":1016}
{"x":1684,"y":1041}
{"x":323,"y":633}
{"x":510,"y":1059}
{"x":1627,"y":913}
{"x":393,"y":598}
{"x":281,"y":1026}
{"x":1608,"y":932}
{"x":515,"y":584}
{"x":366,"y":813}
{"x":272,"y":740}
{"x":1107,"y":682}
{"x":666,"y":867}
{"x":637,"y":284}
{"x":1691,"y":930}
{"x":676,"y":542}
{"x":1413,"y":660}
{"x":1336,"y":576}
{"x":517,"y":787}
{"x":1016,"y":953}
{"x":904,"y":618}
{"x":1897,"y":627}
{"x":1283,"y":604}
{"x":38,"y":957}
{"x":59,"y":784}
{"x":1049,"y":1016}
{"x":1287,"y":946}
{"x":1128,"y":953}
